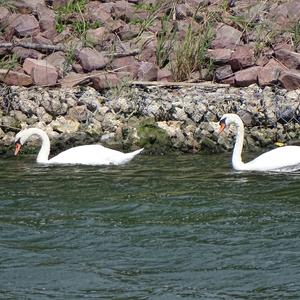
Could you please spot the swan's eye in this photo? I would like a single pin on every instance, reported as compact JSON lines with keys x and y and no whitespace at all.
{"x":18,"y":141}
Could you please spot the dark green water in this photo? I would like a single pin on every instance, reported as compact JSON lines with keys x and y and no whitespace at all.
{"x":164,"y":227}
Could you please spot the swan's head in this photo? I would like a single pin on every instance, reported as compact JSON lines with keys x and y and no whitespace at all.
{"x":228,"y":119}
{"x":22,"y":137}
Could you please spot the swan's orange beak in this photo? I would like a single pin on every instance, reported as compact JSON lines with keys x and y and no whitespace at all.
{"x":222,"y":127}
{"x":18,"y":147}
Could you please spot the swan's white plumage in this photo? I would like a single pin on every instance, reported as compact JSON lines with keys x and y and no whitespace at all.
{"x":93,"y":155}
{"x":285,"y":158}
{"x":86,"y":155}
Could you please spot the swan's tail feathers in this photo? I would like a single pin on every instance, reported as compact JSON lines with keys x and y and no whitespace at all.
{"x":136,"y":152}
{"x":131,"y":155}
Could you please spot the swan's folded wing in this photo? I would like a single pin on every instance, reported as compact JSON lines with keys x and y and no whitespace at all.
{"x":91,"y":155}
{"x":277,"y":159}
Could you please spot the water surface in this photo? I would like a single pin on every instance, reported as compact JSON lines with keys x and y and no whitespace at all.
{"x":166,"y":227}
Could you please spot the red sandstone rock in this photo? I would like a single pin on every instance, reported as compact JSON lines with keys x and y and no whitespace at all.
{"x":27,"y":6}
{"x":96,"y":36}
{"x":126,"y":64}
{"x":41,"y":39}
{"x":91,"y":59}
{"x":241,"y":58}
{"x":226,"y":37}
{"x":96,"y":11}
{"x":223,"y":72}
{"x":288,"y":58}
{"x":24,"y":25}
{"x":220,"y":55}
{"x":269,"y":74}
{"x":286,"y":14}
{"x":42,"y":73}
{"x":147,"y":71}
{"x":14,"y":78}
{"x":24,"y":53}
{"x":58,"y":60}
{"x":148,"y":49}
{"x":123,"y":10}
{"x":128,"y":32}
{"x":105,"y":81}
{"x":46,"y":18}
{"x":59,"y":3}
{"x":290,"y":79}
{"x":4,"y":13}
{"x":247,"y":76}
{"x":164,"y":75}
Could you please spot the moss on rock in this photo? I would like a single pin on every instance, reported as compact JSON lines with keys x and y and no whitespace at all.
{"x":154,"y":139}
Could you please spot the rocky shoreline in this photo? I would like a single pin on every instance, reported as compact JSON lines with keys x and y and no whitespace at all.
{"x":161,"y":119}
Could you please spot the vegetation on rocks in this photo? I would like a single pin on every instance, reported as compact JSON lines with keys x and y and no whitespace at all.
{"x":233,"y":42}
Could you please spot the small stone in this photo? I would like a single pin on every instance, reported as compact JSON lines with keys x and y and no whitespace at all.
{"x":79,"y":113}
{"x":65,"y":125}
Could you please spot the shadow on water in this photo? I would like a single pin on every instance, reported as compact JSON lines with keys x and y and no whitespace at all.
{"x":157,"y":228}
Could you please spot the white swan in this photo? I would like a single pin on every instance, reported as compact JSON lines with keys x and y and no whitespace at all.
{"x":86,"y":155}
{"x":285,"y":158}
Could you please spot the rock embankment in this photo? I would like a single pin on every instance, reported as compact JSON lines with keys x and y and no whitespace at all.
{"x":103,"y":43}
{"x":159,"y":119}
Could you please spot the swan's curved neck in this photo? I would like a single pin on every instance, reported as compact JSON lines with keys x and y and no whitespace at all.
{"x":45,"y":148}
{"x":237,"y":162}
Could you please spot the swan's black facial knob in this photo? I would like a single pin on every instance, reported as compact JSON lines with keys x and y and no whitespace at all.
{"x":18,"y":146}
{"x":222,"y":124}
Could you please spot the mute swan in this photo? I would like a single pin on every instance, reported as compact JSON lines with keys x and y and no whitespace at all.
{"x":86,"y":155}
{"x":285,"y":158}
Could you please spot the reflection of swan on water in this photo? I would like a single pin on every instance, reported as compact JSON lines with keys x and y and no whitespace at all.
{"x":86,"y":155}
{"x":285,"y":158}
